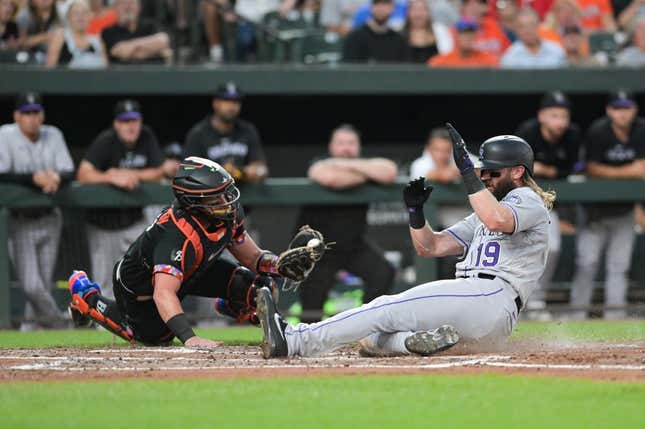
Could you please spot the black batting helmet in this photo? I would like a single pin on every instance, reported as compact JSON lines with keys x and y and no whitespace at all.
{"x":505,"y":151}
{"x":205,"y":185}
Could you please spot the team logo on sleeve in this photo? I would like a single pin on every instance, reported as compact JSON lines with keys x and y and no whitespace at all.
{"x":513,"y":199}
{"x":176,"y":256}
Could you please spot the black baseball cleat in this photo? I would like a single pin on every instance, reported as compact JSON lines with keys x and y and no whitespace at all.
{"x":274,"y":343}
{"x":426,"y":343}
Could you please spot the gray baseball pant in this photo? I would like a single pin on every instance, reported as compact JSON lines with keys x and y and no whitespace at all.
{"x":478,"y":308}
{"x":616,"y":234}
{"x":34,"y":248}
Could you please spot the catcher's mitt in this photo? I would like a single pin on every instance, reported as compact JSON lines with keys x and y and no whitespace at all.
{"x":307,"y":247}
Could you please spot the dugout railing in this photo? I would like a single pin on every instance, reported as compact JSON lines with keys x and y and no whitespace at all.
{"x":276,"y":193}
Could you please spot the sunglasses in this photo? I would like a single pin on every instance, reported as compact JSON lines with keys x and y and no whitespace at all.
{"x":491,"y":173}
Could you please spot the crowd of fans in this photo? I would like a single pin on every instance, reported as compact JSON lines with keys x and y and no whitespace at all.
{"x":128,"y":153}
{"x":440,"y":33}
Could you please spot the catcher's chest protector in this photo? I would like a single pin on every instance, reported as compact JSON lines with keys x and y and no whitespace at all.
{"x":205,"y":246}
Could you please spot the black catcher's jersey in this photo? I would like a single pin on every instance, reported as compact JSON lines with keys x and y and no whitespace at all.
{"x":179,"y":245}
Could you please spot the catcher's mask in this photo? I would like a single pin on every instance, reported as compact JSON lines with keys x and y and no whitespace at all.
{"x":204,"y":185}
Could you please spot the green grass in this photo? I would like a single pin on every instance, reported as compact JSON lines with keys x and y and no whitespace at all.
{"x":424,"y":401}
{"x":94,"y":338}
{"x":441,"y":401}
{"x":597,"y":330}
{"x":590,"y":330}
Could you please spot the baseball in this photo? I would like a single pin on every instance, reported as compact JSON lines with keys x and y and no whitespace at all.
{"x":314,"y":242}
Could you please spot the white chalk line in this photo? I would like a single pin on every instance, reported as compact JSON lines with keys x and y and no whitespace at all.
{"x":61,"y":364}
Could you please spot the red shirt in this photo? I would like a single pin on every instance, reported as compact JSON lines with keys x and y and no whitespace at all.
{"x":98,"y":23}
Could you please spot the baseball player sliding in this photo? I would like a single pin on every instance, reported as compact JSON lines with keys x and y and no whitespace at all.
{"x":179,"y":255}
{"x":504,"y":245}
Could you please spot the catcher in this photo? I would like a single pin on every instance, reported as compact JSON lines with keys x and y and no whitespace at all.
{"x":178,"y":255}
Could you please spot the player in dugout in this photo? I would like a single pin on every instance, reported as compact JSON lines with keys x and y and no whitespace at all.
{"x":504,"y":245}
{"x":179,"y":255}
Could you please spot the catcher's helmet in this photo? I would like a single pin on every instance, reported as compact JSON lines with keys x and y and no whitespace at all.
{"x":204,"y":185}
{"x":505,"y":151}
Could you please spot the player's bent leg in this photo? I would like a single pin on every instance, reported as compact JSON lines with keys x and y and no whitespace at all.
{"x":476,"y":308}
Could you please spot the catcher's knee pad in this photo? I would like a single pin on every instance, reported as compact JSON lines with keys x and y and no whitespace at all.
{"x":242,"y":287}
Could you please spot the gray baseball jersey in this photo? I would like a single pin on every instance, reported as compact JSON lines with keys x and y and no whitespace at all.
{"x":20,"y":155}
{"x":518,"y":258}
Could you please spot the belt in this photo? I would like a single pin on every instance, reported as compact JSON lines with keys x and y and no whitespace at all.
{"x":518,"y":300}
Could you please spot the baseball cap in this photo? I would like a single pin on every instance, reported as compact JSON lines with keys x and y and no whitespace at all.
{"x":127,"y":110}
{"x":464,"y":25}
{"x":29,"y":102}
{"x":381,"y":1}
{"x":228,"y":91}
{"x":621,"y":98}
{"x":555,"y":99}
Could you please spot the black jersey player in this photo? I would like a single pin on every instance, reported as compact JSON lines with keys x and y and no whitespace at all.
{"x":179,"y":255}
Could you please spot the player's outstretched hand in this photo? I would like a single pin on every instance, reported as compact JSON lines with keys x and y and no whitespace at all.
{"x":202,"y":343}
{"x":459,"y":151}
{"x":416,"y":193}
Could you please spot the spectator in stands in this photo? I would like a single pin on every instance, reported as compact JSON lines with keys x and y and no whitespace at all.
{"x":224,"y":138}
{"x":629,"y":15}
{"x":634,"y":56}
{"x":615,"y":149}
{"x":123,"y":156}
{"x":530,"y":51}
{"x":465,"y":54}
{"x":245,"y":15}
{"x":425,"y":37}
{"x":563,"y":14}
{"x":211,"y":11}
{"x":343,"y":168}
{"x":73,"y":45}
{"x":135,"y":40}
{"x":490,"y":37}
{"x":562,"y":26}
{"x":395,"y":20}
{"x":375,"y":41}
{"x":35,"y":25}
{"x":596,"y":15}
{"x":337,"y":15}
{"x":556,"y":145}
{"x":507,"y":17}
{"x":576,"y":48}
{"x":36,"y":156}
{"x":8,"y":27}
{"x":102,"y":17}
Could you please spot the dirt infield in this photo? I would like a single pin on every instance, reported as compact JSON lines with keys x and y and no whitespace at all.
{"x":599,"y":361}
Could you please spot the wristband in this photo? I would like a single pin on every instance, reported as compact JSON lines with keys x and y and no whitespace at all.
{"x":417,"y":217}
{"x":179,"y":325}
{"x":267,"y":263}
{"x":472,"y":182}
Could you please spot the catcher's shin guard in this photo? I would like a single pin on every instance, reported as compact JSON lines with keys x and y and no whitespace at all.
{"x":81,"y":306}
